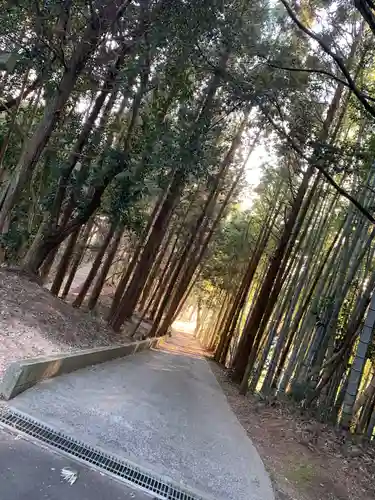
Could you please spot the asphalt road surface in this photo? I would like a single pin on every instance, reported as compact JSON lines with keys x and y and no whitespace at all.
{"x":29,"y":471}
{"x":164,"y":411}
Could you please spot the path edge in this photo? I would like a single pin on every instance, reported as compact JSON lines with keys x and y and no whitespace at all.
{"x":23,"y":374}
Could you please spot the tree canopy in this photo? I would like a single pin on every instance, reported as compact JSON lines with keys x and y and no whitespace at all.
{"x":138,"y":121}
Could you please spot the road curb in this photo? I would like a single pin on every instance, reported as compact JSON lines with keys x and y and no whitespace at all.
{"x":23,"y":374}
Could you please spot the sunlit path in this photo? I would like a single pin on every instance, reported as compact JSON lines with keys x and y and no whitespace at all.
{"x":162,"y":409}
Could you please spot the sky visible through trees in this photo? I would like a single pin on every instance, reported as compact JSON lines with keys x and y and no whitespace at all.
{"x":222,"y":154}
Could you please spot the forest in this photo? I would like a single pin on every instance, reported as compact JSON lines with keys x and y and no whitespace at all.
{"x":140,"y":121}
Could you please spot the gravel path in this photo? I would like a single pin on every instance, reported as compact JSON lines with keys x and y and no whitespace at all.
{"x":163,"y":410}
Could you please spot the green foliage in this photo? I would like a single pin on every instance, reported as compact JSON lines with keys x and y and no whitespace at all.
{"x":228,"y":253}
{"x":177,"y":79}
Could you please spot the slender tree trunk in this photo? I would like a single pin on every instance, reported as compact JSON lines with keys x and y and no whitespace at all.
{"x":193,"y":262}
{"x":186,"y":296}
{"x":358,"y":366}
{"x":251,"y":329}
{"x":98,"y":286}
{"x":228,"y":328}
{"x":95,"y":267}
{"x":64,"y":263}
{"x":50,"y":239}
{"x":150,"y":250}
{"x":121,"y":287}
{"x":75,"y":155}
{"x":251,"y":337}
{"x":210,"y":344}
{"x":154,"y":272}
{"x":35,"y":146}
{"x":77,"y":258}
{"x":193,"y":147}
{"x":159,"y":293}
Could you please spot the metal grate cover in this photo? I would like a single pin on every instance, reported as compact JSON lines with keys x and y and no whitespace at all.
{"x":88,"y":454}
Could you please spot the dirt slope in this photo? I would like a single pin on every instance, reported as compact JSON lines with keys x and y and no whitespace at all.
{"x":33,"y":322}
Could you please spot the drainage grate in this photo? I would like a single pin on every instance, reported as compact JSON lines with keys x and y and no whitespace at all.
{"x":120,"y":468}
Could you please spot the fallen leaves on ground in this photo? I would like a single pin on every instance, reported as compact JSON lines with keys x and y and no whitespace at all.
{"x":306,"y":460}
{"x":33,"y":322}
{"x":69,"y":475}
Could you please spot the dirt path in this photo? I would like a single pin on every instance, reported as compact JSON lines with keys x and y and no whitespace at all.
{"x":306,"y":460}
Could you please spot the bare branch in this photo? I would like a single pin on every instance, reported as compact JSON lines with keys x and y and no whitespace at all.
{"x":11,"y":103}
{"x":338,"y":60}
{"x":319,"y":167}
{"x":366,"y":8}
{"x":318,"y":71}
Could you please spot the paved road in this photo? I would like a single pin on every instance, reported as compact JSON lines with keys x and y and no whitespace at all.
{"x":30,"y":472}
{"x":162,"y":409}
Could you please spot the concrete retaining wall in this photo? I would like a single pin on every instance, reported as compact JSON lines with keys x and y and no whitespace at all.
{"x":22,"y":375}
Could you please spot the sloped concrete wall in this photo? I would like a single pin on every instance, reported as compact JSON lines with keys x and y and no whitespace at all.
{"x":22,"y":375}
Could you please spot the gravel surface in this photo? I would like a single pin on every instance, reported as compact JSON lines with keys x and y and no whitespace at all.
{"x":35,"y":323}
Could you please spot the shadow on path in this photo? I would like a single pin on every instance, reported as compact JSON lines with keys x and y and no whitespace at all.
{"x":162,"y":409}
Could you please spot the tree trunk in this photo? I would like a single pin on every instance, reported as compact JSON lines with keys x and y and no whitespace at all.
{"x":149,"y":285}
{"x":193,"y":262}
{"x":120,"y":289}
{"x":97,"y":288}
{"x":50,"y":239}
{"x":228,"y":328}
{"x":75,"y":155}
{"x":358,"y":366}
{"x":35,"y":145}
{"x":95,"y":267}
{"x":64,"y":263}
{"x":77,"y":258}
{"x":249,"y":334}
{"x":164,"y":280}
{"x":151,"y":248}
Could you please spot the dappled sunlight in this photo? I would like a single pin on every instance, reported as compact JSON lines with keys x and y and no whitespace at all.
{"x":184,"y":326}
{"x":183,"y":343}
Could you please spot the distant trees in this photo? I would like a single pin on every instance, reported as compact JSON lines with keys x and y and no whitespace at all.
{"x":300,"y":322}
{"x":135,"y":121}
